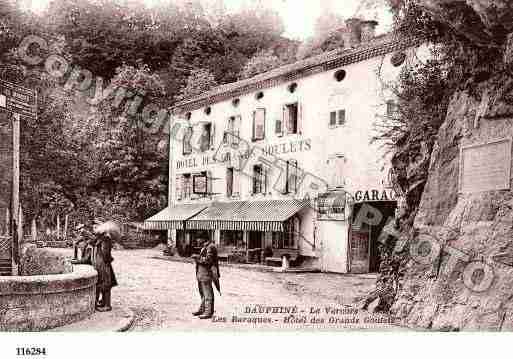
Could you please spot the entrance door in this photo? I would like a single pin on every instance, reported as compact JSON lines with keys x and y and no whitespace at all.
{"x":255,"y":242}
{"x":334,"y":246}
{"x":360,"y":251}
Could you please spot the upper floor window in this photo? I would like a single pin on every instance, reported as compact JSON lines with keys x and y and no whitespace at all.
{"x":206,"y":137}
{"x":229,"y":181}
{"x":392,"y":108}
{"x":337,"y":118}
{"x":398,"y":59}
{"x":292,"y":179}
{"x":259,"y":179}
{"x":258,"y":124}
{"x":187,"y":138}
{"x":291,"y":117}
{"x":232,"y":133}
{"x":183,"y":186}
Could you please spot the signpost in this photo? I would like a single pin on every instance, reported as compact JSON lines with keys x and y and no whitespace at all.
{"x":19,"y":102}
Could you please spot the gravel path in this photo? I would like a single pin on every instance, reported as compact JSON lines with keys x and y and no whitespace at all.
{"x":163,"y":294}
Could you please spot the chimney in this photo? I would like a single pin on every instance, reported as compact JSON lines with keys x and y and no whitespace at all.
{"x":368,"y":30}
{"x":353,"y":36}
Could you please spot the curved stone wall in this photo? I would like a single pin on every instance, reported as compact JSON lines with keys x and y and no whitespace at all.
{"x":42,"y":261}
{"x":39,"y":302}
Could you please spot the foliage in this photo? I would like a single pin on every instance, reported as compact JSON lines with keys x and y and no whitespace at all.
{"x":98,"y":161}
{"x":199,"y":81}
{"x":260,"y":63}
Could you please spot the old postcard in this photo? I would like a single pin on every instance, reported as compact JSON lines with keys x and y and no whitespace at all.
{"x":255,"y":166}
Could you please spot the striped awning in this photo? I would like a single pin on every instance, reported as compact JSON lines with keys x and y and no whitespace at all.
{"x":174,"y":217}
{"x":266,"y":216}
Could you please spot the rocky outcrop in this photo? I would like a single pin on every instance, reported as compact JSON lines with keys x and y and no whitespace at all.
{"x":462,"y":279}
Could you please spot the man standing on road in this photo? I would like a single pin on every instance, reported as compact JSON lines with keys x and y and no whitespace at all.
{"x":207,"y":271}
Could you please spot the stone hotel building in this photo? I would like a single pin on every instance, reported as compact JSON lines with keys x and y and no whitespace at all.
{"x":277,"y":166}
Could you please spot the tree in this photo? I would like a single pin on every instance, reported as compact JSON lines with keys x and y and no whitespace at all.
{"x":199,"y":81}
{"x":261,"y":62}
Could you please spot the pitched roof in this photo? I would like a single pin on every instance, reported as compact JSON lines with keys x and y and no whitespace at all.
{"x":326,"y":61}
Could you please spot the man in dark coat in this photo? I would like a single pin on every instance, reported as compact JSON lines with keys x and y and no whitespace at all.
{"x":98,"y":253}
{"x":207,"y":271}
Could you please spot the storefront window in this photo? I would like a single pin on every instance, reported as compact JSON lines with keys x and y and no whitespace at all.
{"x":284,"y":240}
{"x":232,"y":239}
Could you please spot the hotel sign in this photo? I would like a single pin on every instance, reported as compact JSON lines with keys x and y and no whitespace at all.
{"x":265,"y":150}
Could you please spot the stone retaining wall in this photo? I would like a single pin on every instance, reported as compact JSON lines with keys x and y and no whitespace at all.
{"x":35,"y":303}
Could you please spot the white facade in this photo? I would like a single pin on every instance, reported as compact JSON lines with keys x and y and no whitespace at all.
{"x":341,"y":156}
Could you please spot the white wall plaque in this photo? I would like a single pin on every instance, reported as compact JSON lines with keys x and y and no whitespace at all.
{"x":485,"y":167}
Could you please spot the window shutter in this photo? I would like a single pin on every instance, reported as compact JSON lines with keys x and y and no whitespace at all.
{"x":191,"y":186}
{"x":227,"y":131}
{"x":178,"y":187}
{"x":259,"y":124}
{"x":210,"y":183}
{"x":265,"y":180}
{"x":278,"y":129}
{"x":341,"y":117}
{"x":236,"y":130}
{"x":333,"y":118}
{"x":299,"y":118}
{"x":286,"y":119}
{"x":293,"y":173}
{"x":229,"y":182}
{"x":236,"y":183}
{"x":212,"y":135}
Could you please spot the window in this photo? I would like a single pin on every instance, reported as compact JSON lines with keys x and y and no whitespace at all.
{"x":292,"y":173}
{"x":290,"y":118}
{"x":183,"y":186}
{"x":278,"y":129}
{"x":398,"y":59}
{"x":259,"y":124}
{"x":340,"y":75}
{"x":258,"y":179}
{"x":229,"y":182}
{"x":292,"y":87}
{"x":284,"y":240}
{"x":392,"y":108}
{"x":201,"y":184}
{"x":232,"y":239}
{"x":337,"y":118}
{"x":232,"y":134}
{"x":187,"y":146}
{"x":206,"y":137}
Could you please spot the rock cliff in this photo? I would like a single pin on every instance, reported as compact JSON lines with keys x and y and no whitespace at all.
{"x":459,"y":274}
{"x":461,"y":230}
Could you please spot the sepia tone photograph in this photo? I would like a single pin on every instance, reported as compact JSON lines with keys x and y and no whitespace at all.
{"x":255,"y":166}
